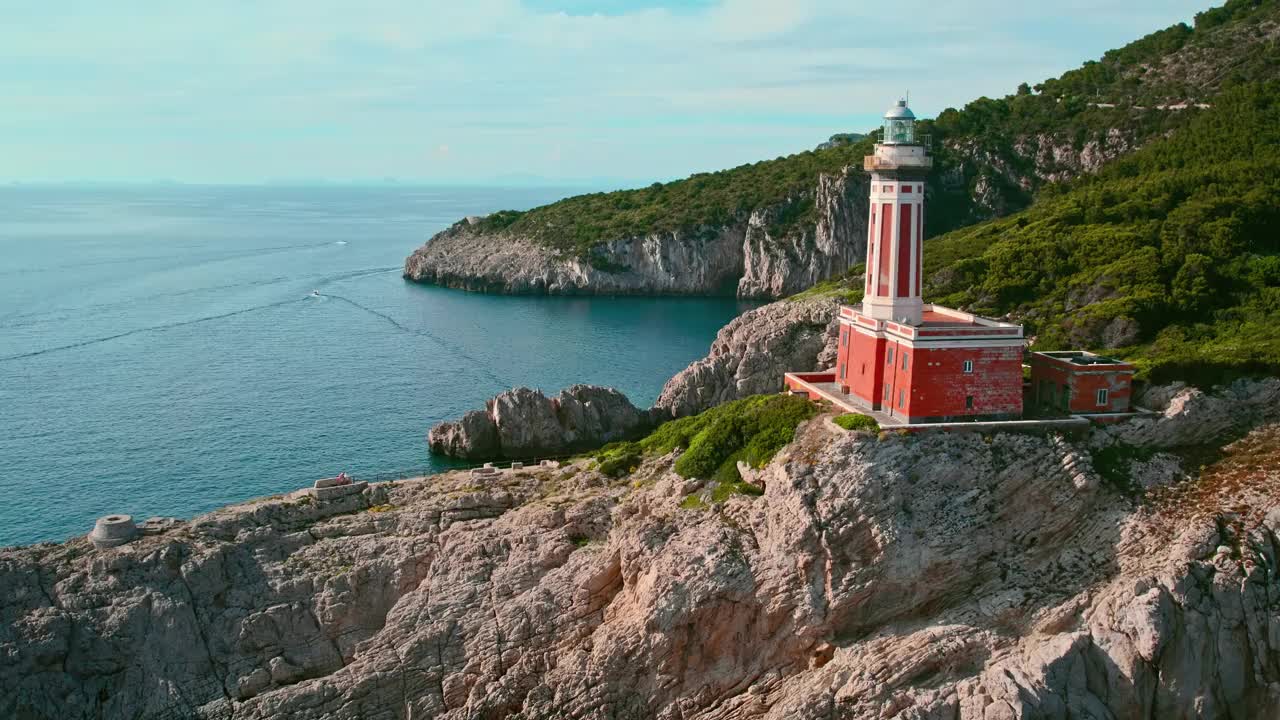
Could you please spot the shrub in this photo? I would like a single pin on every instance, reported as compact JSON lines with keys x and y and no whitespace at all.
{"x":617,"y":459}
{"x":857,"y":421}
{"x":753,"y":429}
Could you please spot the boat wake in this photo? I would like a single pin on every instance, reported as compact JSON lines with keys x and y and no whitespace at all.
{"x":448,"y":346}
{"x":153,"y":328}
{"x":27,"y":319}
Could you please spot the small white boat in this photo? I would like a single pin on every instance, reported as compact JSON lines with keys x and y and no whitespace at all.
{"x":315,"y":293}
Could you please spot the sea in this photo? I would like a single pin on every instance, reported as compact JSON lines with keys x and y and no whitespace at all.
{"x":169,"y":349}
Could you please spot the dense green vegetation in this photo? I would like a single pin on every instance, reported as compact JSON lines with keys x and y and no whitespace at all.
{"x":1178,"y":64}
{"x":856,"y":421}
{"x":1169,"y":257}
{"x":752,"y":430}
{"x":1123,"y":97}
{"x":1171,"y":254}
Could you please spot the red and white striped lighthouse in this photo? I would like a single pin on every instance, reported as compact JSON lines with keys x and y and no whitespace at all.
{"x":913,"y":361}
{"x":895,"y":239}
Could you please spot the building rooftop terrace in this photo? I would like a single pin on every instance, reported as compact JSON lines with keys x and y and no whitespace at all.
{"x":1082,"y":357}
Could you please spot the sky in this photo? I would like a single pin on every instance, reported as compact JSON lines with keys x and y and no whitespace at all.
{"x":476,"y":91}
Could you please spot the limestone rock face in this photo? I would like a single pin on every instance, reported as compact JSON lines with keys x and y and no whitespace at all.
{"x":524,"y":423}
{"x":1190,"y":416}
{"x":701,"y":262}
{"x":746,"y":256}
{"x":751,"y":354}
{"x":955,"y":576}
{"x":780,"y":265}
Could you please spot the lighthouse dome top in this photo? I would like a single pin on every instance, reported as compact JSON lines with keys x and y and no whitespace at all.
{"x":900,"y":111}
{"x":899,"y":125}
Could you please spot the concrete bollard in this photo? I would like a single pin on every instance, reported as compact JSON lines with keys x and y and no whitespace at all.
{"x":113,"y":530}
{"x":517,"y":466}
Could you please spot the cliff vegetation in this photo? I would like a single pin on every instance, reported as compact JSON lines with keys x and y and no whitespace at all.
{"x":1171,"y":255}
{"x":751,"y":430}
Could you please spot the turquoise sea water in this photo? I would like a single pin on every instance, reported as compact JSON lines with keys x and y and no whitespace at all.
{"x":161,"y":352}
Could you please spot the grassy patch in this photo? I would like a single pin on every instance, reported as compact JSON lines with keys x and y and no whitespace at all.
{"x":752,"y":430}
{"x":620,"y":458}
{"x":856,"y":421}
{"x":845,"y":289}
{"x":692,"y":502}
{"x":725,"y":490}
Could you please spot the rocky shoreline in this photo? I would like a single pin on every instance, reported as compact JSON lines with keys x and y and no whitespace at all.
{"x":937,"y":576}
{"x":524,"y":423}
{"x":742,"y":258}
{"x":748,"y":357}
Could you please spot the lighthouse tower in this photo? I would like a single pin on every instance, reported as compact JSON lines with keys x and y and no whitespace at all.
{"x":896,"y":221}
{"x":912,"y":361}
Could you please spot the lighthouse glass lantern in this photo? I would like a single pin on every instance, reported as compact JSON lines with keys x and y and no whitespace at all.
{"x":899,"y":125}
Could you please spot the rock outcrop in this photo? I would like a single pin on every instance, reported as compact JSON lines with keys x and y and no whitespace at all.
{"x":524,"y":423}
{"x":749,"y":256}
{"x":750,"y":355}
{"x":707,"y":261}
{"x":1190,"y":416}
{"x":954,"y":576}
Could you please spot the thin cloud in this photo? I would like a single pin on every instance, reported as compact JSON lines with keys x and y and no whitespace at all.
{"x":333,"y":88}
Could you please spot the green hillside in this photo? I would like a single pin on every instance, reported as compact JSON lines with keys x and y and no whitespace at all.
{"x":1172,"y":252}
{"x":1170,"y":256}
{"x":988,"y":145}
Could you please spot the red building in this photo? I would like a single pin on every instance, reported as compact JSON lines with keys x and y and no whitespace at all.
{"x":1075,"y":381}
{"x":897,"y":355}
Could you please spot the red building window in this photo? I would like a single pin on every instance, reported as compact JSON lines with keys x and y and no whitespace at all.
{"x":902,"y":399}
{"x":968,"y":366}
{"x":905,"y":360}
{"x":968,"y":402}
{"x":906,"y":188}
{"x":1102,"y":396}
{"x":888,"y":358}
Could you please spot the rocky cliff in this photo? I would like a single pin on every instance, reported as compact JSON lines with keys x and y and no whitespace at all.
{"x":524,"y":423}
{"x":955,"y":576}
{"x":755,"y":255}
{"x":750,"y":355}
